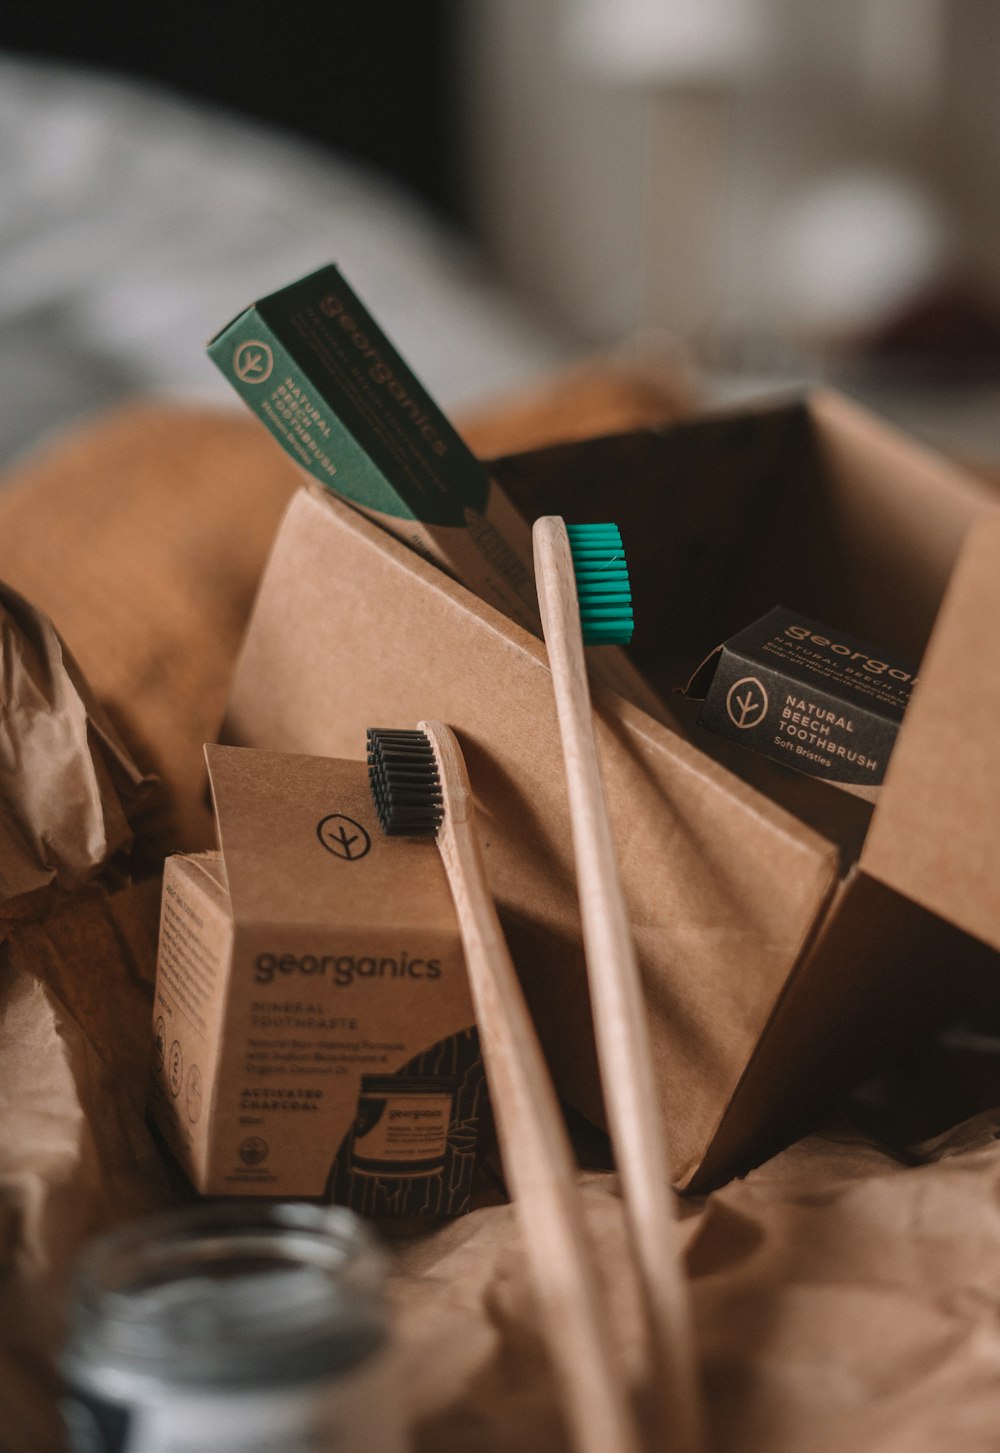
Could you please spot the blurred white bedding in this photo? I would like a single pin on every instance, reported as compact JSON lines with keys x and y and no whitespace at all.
{"x":133,"y":224}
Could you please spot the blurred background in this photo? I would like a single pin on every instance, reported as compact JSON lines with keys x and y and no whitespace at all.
{"x":763,"y":193}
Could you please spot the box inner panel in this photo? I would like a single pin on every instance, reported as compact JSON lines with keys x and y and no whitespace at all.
{"x":812,"y":505}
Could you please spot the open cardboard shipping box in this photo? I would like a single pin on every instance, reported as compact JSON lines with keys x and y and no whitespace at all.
{"x":788,"y":935}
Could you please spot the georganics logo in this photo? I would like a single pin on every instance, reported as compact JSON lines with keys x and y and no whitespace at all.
{"x":382,"y":373}
{"x":253,"y":361}
{"x":343,"y":970}
{"x":746,"y":703}
{"x":841,"y":648}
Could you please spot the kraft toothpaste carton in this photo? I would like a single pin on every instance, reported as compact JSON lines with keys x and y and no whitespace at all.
{"x":313,"y":1027}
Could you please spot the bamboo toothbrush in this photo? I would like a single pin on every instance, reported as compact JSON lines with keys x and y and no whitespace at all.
{"x":421,"y":788}
{"x":584,"y":596}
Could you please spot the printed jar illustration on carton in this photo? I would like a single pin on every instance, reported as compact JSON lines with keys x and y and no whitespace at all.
{"x":313,"y":1027}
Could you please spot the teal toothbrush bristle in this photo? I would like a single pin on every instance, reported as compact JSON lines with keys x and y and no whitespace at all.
{"x":403,"y":776}
{"x":602,"y":584}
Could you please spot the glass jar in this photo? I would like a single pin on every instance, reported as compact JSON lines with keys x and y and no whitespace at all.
{"x":239,"y":1327}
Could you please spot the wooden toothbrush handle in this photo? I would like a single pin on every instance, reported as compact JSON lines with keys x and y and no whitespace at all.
{"x":537,"y":1158}
{"x":621,"y":1030}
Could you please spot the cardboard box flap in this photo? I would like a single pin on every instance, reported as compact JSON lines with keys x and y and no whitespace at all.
{"x":936,"y":834}
{"x":816,"y":503}
{"x":301,"y":845}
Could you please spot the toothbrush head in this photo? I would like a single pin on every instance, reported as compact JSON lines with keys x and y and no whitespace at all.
{"x":406,"y":787}
{"x":602,"y":584}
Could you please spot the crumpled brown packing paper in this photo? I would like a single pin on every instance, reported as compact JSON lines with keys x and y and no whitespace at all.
{"x":75,"y":1153}
{"x":66,"y":779}
{"x":845,"y":1302}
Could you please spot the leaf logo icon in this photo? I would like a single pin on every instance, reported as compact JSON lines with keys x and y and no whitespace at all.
{"x":343,"y":837}
{"x":746,"y":702}
{"x":253,"y":361}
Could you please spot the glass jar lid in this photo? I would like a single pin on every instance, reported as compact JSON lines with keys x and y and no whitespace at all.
{"x":228,"y":1294}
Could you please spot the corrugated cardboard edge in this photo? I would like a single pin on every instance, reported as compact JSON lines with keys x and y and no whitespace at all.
{"x":196,"y":871}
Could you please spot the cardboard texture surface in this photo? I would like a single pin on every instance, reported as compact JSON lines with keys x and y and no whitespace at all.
{"x":947,"y":775}
{"x":819,"y":1324}
{"x":313,"y":1023}
{"x":726,"y":891}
